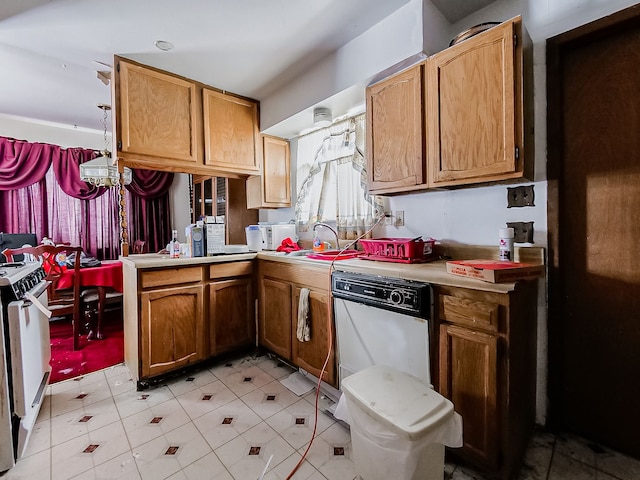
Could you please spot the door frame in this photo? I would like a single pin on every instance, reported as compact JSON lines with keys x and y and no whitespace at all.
{"x":556,"y":47}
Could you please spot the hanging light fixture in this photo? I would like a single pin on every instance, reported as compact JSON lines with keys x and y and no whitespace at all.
{"x":103,"y":171}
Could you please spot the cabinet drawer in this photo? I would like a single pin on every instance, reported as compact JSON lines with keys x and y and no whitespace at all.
{"x":231,"y":269}
{"x":170,"y":276}
{"x":470,"y":312}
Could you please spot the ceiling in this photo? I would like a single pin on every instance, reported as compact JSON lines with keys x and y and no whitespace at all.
{"x":52,"y":50}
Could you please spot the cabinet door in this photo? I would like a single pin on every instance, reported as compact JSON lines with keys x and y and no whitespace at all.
{"x":312,"y":354}
{"x":468,"y":373}
{"x":474,"y":109}
{"x":156,"y":116}
{"x":231,"y":322}
{"x":395,"y":141}
{"x":231,"y":136}
{"x":171,"y":329}
{"x":272,"y":189}
{"x":275,"y":316}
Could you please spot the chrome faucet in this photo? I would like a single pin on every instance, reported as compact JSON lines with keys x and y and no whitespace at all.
{"x":321,"y":224}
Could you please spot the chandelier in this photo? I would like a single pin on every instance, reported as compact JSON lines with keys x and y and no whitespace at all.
{"x":103,"y":170}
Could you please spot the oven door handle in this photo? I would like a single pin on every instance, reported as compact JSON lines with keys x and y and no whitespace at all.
{"x":36,"y":292}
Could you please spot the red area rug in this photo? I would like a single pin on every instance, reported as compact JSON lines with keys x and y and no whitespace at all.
{"x":92,"y":356}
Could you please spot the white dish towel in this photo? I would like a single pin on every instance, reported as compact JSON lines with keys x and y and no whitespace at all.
{"x":303,"y":331}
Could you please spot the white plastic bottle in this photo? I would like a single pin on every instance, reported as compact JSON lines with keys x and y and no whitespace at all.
{"x":506,"y":244}
{"x":174,"y":251}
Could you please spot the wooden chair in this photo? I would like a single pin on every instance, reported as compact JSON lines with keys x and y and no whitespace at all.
{"x":62,"y":301}
{"x":95,"y":301}
{"x":139,"y":246}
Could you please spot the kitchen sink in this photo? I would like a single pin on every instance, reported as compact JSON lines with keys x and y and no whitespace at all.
{"x":334,"y":255}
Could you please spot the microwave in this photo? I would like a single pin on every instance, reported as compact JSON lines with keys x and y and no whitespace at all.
{"x":273,"y":235}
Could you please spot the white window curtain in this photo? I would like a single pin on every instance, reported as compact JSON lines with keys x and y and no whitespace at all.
{"x":332,"y":179}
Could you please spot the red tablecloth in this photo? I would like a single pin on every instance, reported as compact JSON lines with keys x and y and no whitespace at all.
{"x":109,"y":274}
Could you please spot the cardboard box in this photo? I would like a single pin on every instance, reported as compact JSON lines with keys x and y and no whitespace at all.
{"x":495,"y":271}
{"x":215,"y":238}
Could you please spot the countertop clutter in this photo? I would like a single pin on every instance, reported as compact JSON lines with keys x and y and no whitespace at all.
{"x":431,"y":272}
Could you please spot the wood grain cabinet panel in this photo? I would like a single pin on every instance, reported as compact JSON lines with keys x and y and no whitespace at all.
{"x":231,"y":322}
{"x":279,"y":302}
{"x":486,"y":367}
{"x":312,"y":354}
{"x":157,"y":116}
{"x":231,"y":135}
{"x":272,"y":189}
{"x":468,"y":371}
{"x":460,"y":117}
{"x":275,"y":316}
{"x":475,"y":109}
{"x":395,"y":145}
{"x":171,"y":328}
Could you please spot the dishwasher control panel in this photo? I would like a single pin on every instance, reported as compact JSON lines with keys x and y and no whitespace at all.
{"x":396,"y":294}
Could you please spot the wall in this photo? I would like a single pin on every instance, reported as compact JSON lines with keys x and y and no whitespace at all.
{"x":53,"y":133}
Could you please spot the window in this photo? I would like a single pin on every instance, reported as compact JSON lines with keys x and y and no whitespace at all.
{"x":332,"y":179}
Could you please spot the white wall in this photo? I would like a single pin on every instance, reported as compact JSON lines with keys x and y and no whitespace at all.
{"x":53,"y":133}
{"x":179,"y":203}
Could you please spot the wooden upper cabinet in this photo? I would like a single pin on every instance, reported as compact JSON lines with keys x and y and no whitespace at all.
{"x":475,"y":108}
{"x":272,"y":189}
{"x":156,"y":117}
{"x":395,"y":145}
{"x":231,"y":135}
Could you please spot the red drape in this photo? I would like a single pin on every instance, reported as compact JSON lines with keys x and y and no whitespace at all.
{"x":66,"y":167}
{"x":32,"y":201}
{"x":23,"y":163}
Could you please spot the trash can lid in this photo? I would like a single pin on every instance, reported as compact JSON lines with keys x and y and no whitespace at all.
{"x":398,"y":400}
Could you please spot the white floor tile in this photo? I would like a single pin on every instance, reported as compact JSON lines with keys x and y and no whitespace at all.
{"x":206,"y":399}
{"x":275,"y":368}
{"x":133,"y":402}
{"x":269,"y":399}
{"x":247,"y":380}
{"x":296,"y":423}
{"x":202,"y":430}
{"x":246,"y":456}
{"x":74,"y":395}
{"x":35,"y":467}
{"x":226,"y":423}
{"x":154,"y":422}
{"x":87,"y":451}
{"x":190,"y":382}
{"x":81,"y":421}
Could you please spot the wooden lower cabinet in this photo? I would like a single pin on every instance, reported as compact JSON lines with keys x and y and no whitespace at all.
{"x":468,"y":369}
{"x":486,"y":367}
{"x":171,"y":328}
{"x":311,"y":355}
{"x":176,"y":316}
{"x":280,"y":285}
{"x":231,"y":323}
{"x":275,"y":316}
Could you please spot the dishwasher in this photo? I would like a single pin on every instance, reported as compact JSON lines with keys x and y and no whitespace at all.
{"x":382,"y":321}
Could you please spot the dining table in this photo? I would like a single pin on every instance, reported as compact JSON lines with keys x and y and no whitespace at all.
{"x":104,"y":278}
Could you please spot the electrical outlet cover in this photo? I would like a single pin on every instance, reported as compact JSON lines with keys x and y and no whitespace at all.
{"x":521,"y":196}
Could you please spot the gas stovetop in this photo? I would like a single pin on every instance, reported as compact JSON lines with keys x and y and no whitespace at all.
{"x":20,"y":277}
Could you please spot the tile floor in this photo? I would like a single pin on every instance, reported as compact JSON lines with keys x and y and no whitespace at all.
{"x":225,"y":423}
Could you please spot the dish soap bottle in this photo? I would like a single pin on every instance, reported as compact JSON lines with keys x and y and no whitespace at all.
{"x":174,"y":251}
{"x":318,"y":245}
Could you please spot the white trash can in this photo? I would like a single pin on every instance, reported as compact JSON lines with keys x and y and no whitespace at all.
{"x":399,"y":426}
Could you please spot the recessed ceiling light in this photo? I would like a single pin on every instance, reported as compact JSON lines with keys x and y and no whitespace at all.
{"x":163,"y":45}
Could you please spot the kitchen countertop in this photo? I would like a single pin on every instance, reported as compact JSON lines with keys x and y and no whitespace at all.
{"x":155,"y":260}
{"x":430,"y":272}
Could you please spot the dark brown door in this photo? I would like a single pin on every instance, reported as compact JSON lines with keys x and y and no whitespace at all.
{"x":594,"y":227}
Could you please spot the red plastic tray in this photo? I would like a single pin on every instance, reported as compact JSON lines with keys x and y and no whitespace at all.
{"x":400,"y":250}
